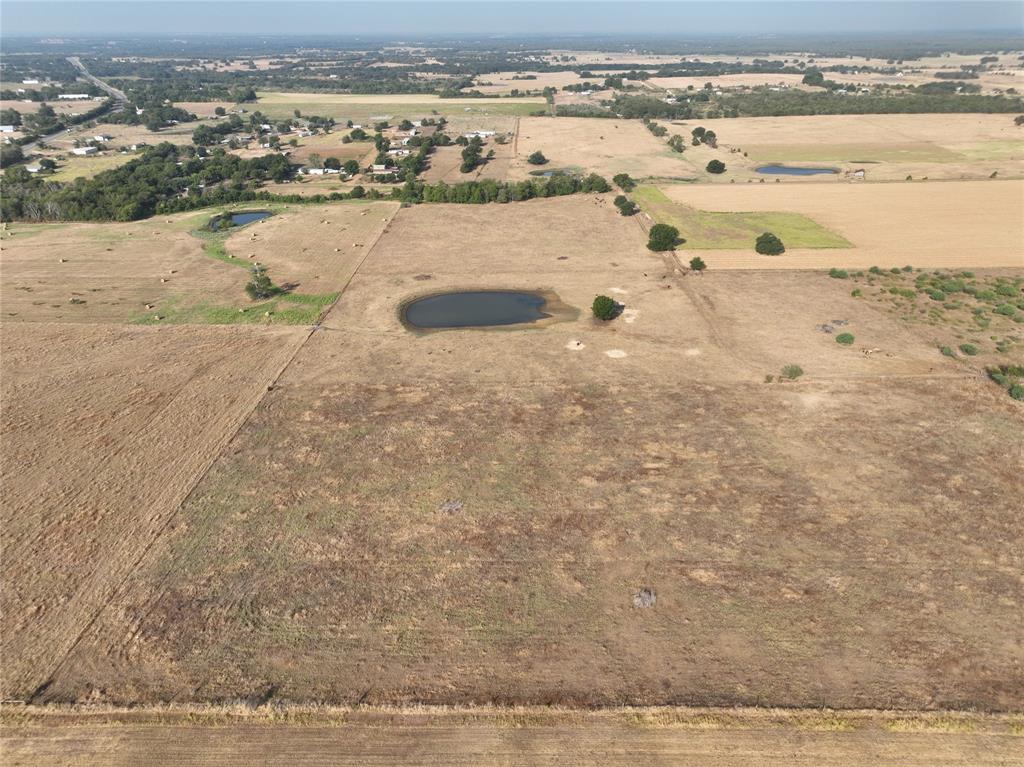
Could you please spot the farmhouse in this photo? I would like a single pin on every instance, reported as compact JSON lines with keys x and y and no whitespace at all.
{"x":318,"y":171}
{"x":102,"y":137}
{"x":84,"y":150}
{"x":73,"y":96}
{"x":479,"y":134}
{"x":7,"y":129}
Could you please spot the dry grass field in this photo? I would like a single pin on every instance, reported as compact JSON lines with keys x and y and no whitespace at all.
{"x":847,"y":539}
{"x":542,"y":737}
{"x":748,"y":80}
{"x":599,"y":146}
{"x":887,"y":147}
{"x":105,"y":428}
{"x":107,"y":272}
{"x":500,"y":83}
{"x":968,"y":224}
{"x":367,"y":108}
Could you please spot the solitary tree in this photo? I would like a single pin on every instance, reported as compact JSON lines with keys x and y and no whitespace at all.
{"x":663,"y":237}
{"x":220,"y":111}
{"x":604,"y":308}
{"x":537,"y":158}
{"x":769,"y":245}
{"x":259,"y":285}
{"x":698,"y":265}
{"x":716,"y":166}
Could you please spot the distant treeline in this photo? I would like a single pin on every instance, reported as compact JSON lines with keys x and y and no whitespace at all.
{"x":765,"y":103}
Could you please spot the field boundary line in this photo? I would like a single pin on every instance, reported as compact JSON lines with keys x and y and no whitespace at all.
{"x":201,"y":475}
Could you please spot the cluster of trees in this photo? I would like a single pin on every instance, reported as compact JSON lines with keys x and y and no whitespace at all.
{"x":206,"y":134}
{"x":653,"y":127}
{"x":500,"y":191}
{"x":472,"y":155}
{"x":154,"y":118}
{"x":765,"y":103}
{"x":676,"y":143}
{"x":624,"y":182}
{"x":154,"y":182}
{"x":702,"y":136}
{"x":636,"y":106}
{"x":625,"y":205}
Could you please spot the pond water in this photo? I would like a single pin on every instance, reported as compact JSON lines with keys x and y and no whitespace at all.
{"x":474,"y":309}
{"x":786,"y":170}
{"x":240,"y":219}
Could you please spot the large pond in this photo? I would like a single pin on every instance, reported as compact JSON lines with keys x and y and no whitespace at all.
{"x":239,"y":219}
{"x":787,"y":170}
{"x":475,"y":309}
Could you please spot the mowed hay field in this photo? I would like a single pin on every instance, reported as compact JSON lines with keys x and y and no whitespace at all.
{"x":887,"y":147}
{"x":105,"y":429}
{"x":968,"y":224}
{"x":109,"y":271}
{"x":370,"y":107}
{"x":468,"y":516}
{"x":589,"y":145}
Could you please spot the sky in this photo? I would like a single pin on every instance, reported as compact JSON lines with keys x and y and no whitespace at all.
{"x":425,"y":18}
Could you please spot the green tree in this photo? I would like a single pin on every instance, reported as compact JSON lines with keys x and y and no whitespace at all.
{"x":715,"y":166}
{"x":769,"y":245}
{"x":351,"y":167}
{"x":537,"y":158}
{"x":332,"y":163}
{"x":663,"y":237}
{"x":259,"y":285}
{"x":698,"y":265}
{"x":604,"y":308}
{"x":314,"y":161}
{"x":10,"y":117}
{"x":220,"y":111}
{"x":624,"y":182}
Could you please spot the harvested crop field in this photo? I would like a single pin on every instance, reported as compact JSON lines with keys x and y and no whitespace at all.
{"x":968,"y":224}
{"x":587,"y":513}
{"x":604,"y":146}
{"x":888,"y":147}
{"x":364,"y":108}
{"x":106,"y":429}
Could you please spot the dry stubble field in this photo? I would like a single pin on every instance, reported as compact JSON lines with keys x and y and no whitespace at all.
{"x":848,"y":540}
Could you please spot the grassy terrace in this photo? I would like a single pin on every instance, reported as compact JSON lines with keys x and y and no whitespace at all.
{"x":716,"y":230}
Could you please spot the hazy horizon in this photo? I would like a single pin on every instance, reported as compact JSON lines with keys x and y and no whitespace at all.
{"x":503,"y":18}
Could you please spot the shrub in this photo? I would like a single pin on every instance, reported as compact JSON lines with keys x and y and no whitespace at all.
{"x":1007,"y":310}
{"x":715,"y":166}
{"x":936,"y":295}
{"x":845,"y":339}
{"x":1004,"y":289}
{"x":604,"y":308}
{"x":537,"y":158}
{"x":839,"y":274}
{"x":769,"y":245}
{"x":856,"y":293}
{"x":624,"y":182}
{"x":1017,"y":391}
{"x":697,"y":264}
{"x":875,"y":270}
{"x":969,"y":349}
{"x":947,"y":351}
{"x":663,"y":237}
{"x":792,"y":372}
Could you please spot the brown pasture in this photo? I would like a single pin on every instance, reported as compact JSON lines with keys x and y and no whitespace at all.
{"x":848,"y":539}
{"x":967,"y":224}
{"x":105,"y":430}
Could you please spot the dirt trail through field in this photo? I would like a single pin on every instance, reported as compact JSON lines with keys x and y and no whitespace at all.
{"x":514,"y":737}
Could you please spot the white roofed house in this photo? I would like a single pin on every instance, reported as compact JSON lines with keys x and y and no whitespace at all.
{"x":84,"y":150}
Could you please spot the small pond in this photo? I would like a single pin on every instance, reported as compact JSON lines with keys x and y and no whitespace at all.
{"x":474,"y":309}
{"x":786,"y":170}
{"x":239,"y":219}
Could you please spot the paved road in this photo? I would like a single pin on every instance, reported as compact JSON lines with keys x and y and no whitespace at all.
{"x":114,"y":92}
{"x":120,"y":101}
